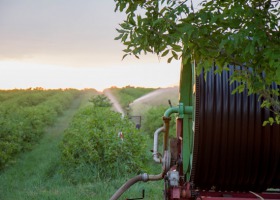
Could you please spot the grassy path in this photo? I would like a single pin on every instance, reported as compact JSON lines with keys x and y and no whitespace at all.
{"x":35,"y":173}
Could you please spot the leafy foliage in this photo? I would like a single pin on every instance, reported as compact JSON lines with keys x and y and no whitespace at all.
{"x":93,"y":149}
{"x":100,"y":101}
{"x":23,"y":118}
{"x":243,"y":33}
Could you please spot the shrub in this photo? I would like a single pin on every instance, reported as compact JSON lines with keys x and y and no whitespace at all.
{"x":92,"y":148}
{"x":100,"y":101}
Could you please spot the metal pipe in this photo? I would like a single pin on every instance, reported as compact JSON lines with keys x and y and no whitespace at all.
{"x":181,"y":109}
{"x":155,"y":149}
{"x":166,"y":132}
{"x":188,"y":110}
{"x":176,"y":109}
{"x":142,"y":177}
{"x":171,"y":110}
{"x":145,"y":177}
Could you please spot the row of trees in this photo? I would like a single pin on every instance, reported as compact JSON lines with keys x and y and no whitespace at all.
{"x":23,"y":118}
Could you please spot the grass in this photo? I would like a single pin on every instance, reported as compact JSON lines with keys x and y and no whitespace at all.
{"x":37,"y":174}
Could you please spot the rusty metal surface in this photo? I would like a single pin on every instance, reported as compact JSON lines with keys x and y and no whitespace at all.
{"x":232,"y":150}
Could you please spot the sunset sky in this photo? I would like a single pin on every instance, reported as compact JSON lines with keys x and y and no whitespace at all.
{"x":70,"y":43}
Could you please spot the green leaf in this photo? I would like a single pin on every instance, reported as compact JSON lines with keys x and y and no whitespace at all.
{"x":175,"y":55}
{"x":278,"y":75}
{"x":124,"y":56}
{"x":271,"y":120}
{"x":170,"y":59}
{"x":131,"y":21}
{"x":127,"y":50}
{"x":277,"y":119}
{"x":124,"y":37}
{"x":119,"y":37}
{"x":265,"y":123}
{"x":176,"y":48}
{"x":252,"y":49}
{"x":265,"y":104}
{"x":239,"y":89}
{"x":139,"y":19}
{"x":165,"y":53}
{"x":120,"y":30}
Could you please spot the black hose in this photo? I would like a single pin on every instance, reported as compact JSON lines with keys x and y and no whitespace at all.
{"x":232,"y":150}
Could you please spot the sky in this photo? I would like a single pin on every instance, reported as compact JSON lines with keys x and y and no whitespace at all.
{"x":70,"y":44}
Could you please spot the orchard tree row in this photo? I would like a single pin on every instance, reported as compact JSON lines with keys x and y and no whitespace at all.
{"x":23,"y":116}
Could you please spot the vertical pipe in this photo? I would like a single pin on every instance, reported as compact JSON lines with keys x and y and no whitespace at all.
{"x":155,"y":149}
{"x":185,"y":96}
{"x":166,"y":132}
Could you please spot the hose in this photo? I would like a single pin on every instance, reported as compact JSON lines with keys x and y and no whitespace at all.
{"x":233,"y":151}
{"x":142,"y":177}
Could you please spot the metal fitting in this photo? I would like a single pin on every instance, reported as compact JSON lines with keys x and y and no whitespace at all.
{"x":145,"y":177}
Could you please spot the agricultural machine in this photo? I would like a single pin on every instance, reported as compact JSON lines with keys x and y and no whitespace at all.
{"x":221,"y":150}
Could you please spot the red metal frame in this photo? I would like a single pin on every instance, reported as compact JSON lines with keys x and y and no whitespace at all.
{"x":237,"y":196}
{"x":184,"y":193}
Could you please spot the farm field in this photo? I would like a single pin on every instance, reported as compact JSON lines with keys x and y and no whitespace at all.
{"x":62,"y":162}
{"x":25,"y":114}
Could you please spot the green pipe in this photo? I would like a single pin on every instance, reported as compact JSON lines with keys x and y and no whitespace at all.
{"x":188,"y":110}
{"x":178,"y":109}
{"x":186,"y":96}
{"x":171,"y":110}
{"x":181,"y":109}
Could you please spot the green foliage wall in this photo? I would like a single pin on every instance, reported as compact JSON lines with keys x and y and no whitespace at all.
{"x":23,"y":118}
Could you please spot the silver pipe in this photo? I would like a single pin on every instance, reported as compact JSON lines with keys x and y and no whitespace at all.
{"x":155,"y":149}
